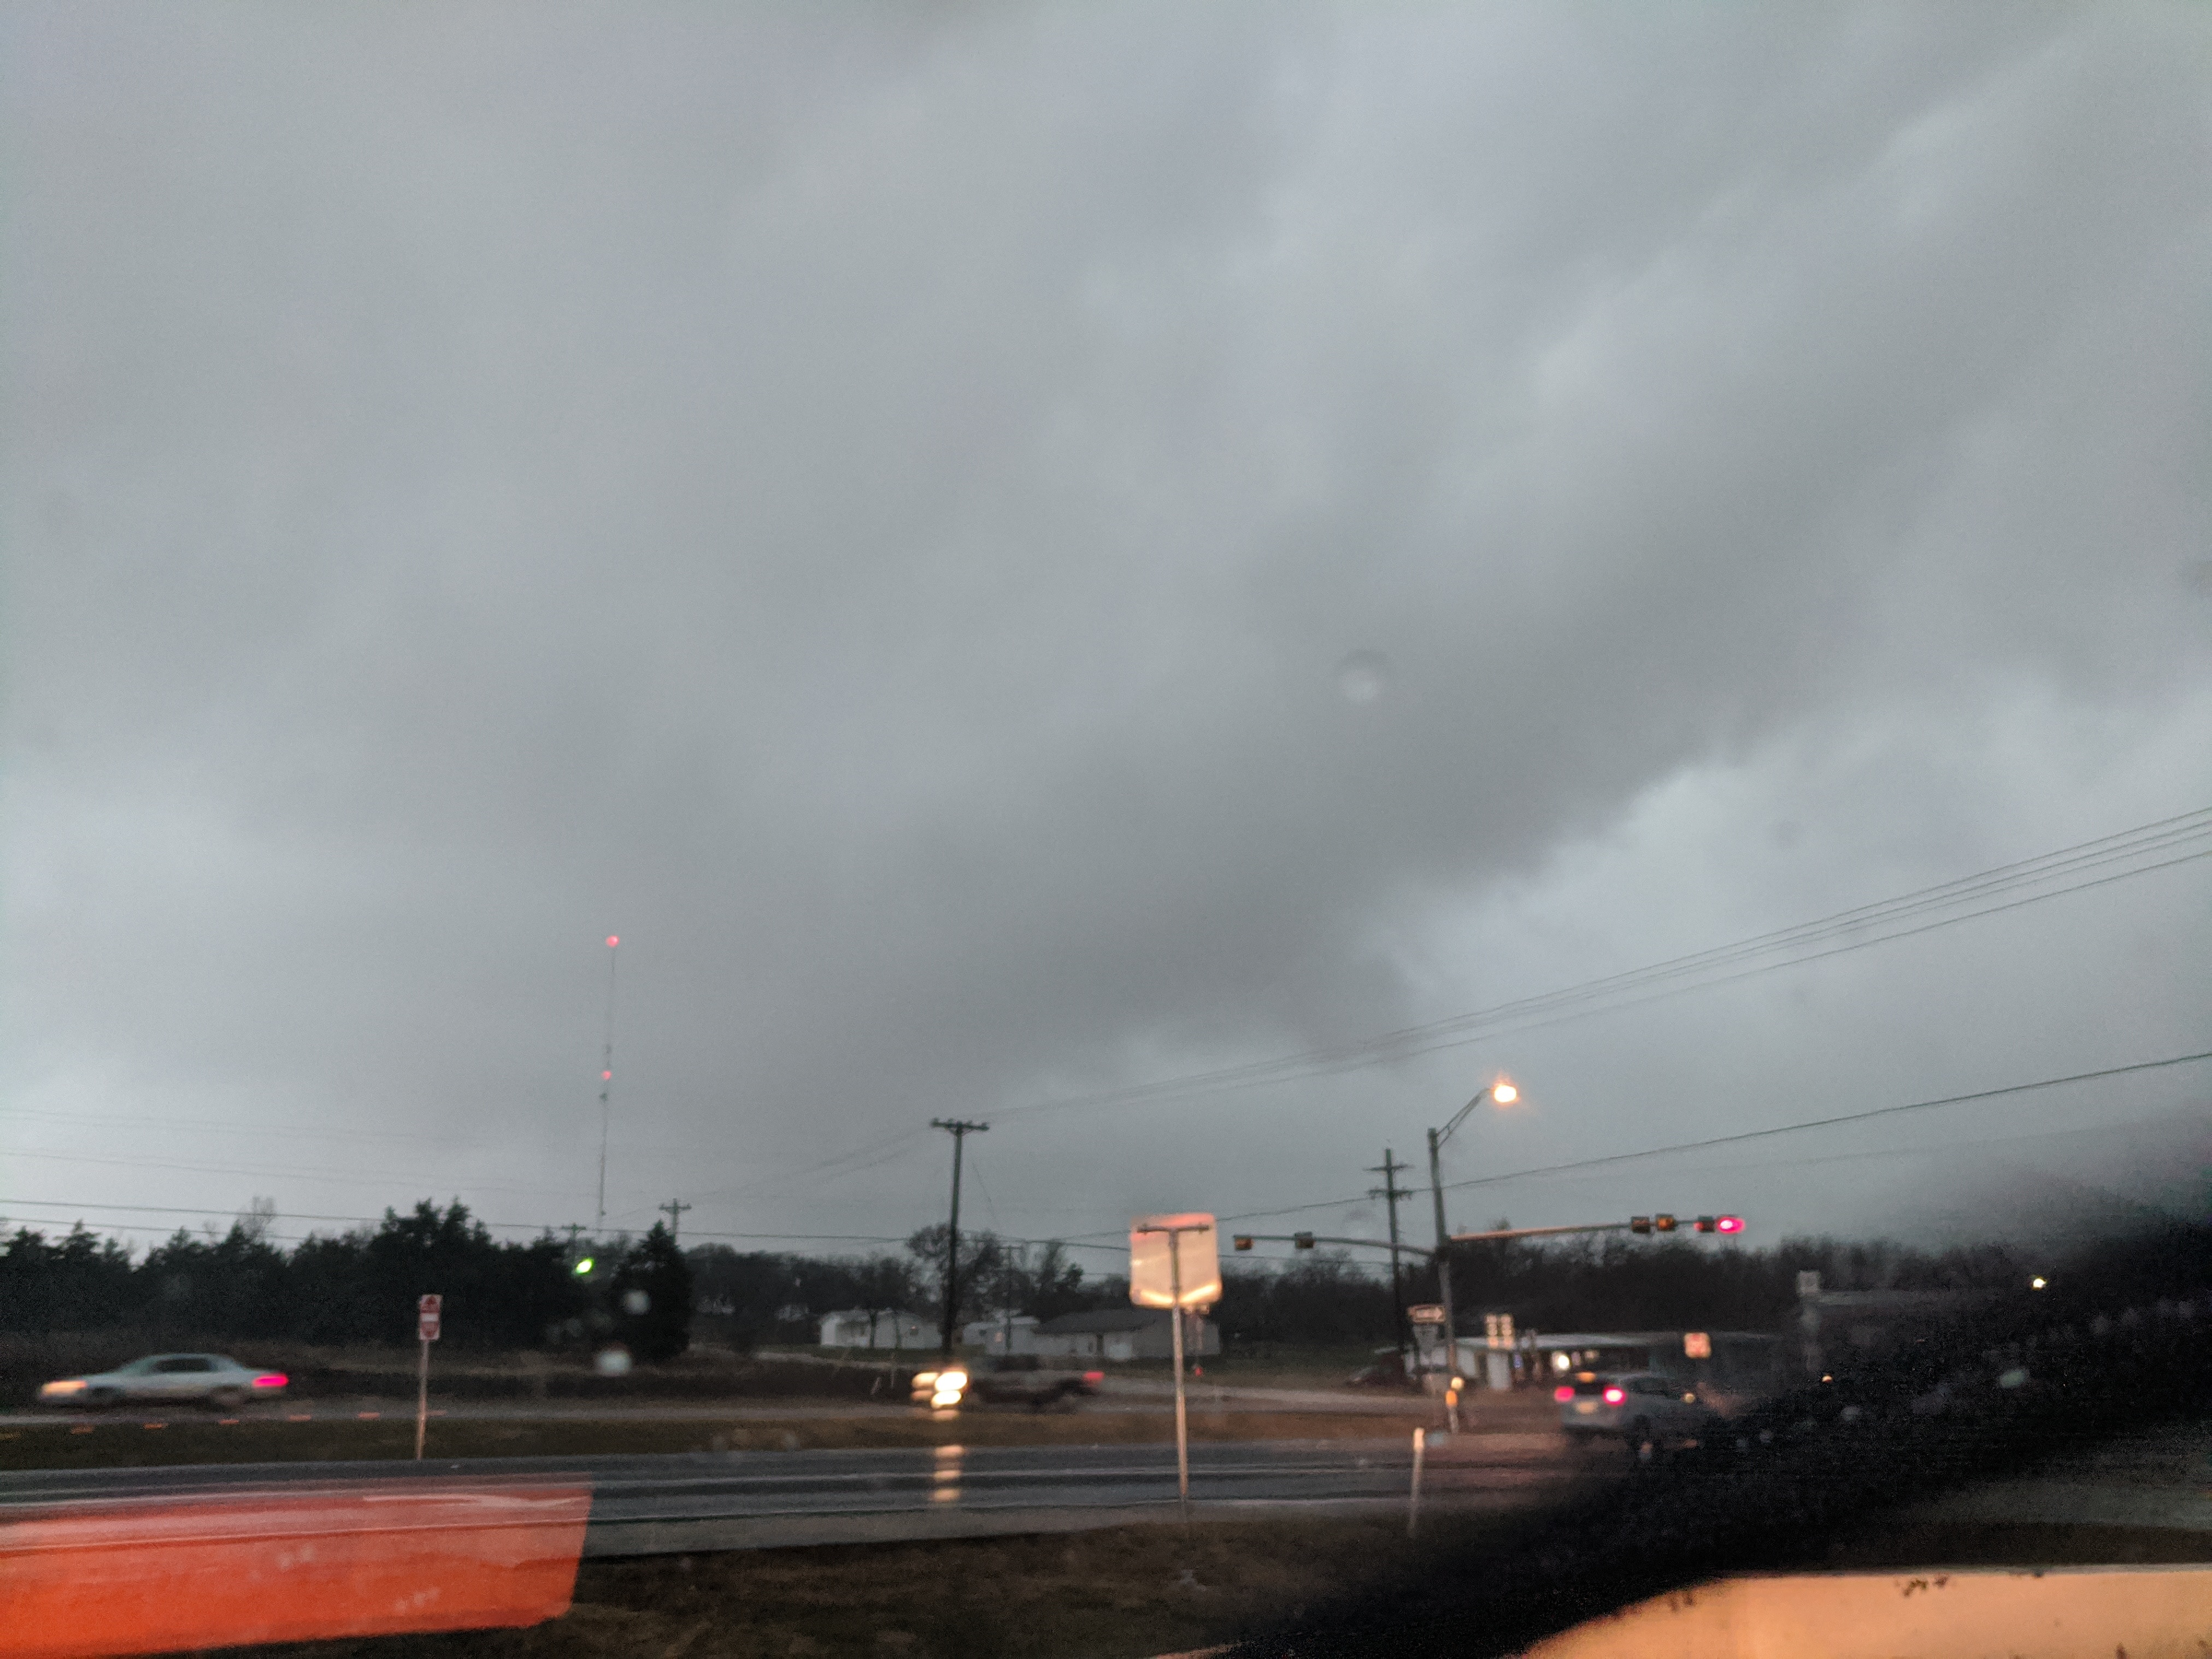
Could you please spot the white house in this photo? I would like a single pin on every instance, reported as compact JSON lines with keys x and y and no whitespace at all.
{"x":1001,"y":1334}
{"x":856,"y":1327}
{"x":1124,"y":1334}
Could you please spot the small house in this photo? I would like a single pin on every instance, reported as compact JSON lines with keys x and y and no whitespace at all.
{"x":886,"y":1327}
{"x":1123,"y":1334}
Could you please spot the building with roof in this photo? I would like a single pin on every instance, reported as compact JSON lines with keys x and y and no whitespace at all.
{"x":1122,"y":1333}
{"x":883,"y":1327}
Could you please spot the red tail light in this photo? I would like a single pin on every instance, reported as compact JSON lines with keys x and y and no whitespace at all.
{"x":1564,"y":1393}
{"x":270,"y":1380}
{"x":1614,"y":1396}
{"x":1094,"y":1377}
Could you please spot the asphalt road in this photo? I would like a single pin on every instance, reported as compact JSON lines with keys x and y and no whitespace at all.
{"x":753,"y":1499}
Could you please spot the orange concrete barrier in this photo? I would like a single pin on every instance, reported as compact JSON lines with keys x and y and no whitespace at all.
{"x":2059,"y":1613}
{"x":281,"y":1564}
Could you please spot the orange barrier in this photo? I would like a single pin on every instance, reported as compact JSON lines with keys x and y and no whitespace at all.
{"x":151,"y":1575}
{"x":1958,"y":1612}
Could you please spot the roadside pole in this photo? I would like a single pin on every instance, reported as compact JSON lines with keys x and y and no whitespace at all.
{"x":1444,"y":1264}
{"x":1183,"y":1427}
{"x":1413,"y":1505}
{"x":1167,"y":1279}
{"x":427,"y":1309}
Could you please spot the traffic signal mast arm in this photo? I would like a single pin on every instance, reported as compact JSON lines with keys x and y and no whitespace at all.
{"x":1664,"y":1224}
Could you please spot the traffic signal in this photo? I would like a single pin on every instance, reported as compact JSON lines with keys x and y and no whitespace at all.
{"x":1651,"y":1224}
{"x":1639,"y":1224}
{"x":1243,"y":1241}
{"x":1663,"y":1224}
{"x":1720,"y":1224}
{"x":1302,"y":1241}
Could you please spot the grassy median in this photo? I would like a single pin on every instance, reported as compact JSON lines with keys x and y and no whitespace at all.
{"x":126,"y":1441}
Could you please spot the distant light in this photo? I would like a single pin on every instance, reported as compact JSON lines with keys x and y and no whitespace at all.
{"x":1564,"y":1393}
{"x":1504,"y":1092}
{"x":1730,"y":1223}
{"x":583,"y":1266}
{"x":606,"y":1076}
{"x":613,"y":941}
{"x":611,"y":1362}
{"x":2037,"y":1283}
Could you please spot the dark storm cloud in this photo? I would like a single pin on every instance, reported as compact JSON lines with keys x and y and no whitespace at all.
{"x":878,"y":514}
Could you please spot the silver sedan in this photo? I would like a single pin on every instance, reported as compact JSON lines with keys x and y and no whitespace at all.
{"x":166,"y":1378}
{"x":1647,"y":1410}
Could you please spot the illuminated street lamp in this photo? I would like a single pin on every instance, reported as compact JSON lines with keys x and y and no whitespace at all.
{"x":1502,"y":1093}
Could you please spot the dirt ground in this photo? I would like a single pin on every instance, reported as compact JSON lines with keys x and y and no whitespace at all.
{"x":1124,"y":1593}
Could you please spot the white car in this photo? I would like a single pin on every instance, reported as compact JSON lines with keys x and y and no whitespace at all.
{"x":210,"y":1378}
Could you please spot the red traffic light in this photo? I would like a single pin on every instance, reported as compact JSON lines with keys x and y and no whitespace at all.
{"x":1730,"y":1224}
{"x":1243,"y":1241}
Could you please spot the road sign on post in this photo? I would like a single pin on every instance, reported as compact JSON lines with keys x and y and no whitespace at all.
{"x":1426,"y":1313}
{"x":429,"y":1315}
{"x":1175,"y":1262}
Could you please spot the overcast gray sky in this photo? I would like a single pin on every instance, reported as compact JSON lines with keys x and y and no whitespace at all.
{"x":1014,"y":553}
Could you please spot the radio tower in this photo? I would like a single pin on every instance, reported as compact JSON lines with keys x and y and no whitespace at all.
{"x":606,"y":1082}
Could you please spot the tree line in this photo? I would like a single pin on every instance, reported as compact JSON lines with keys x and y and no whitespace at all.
{"x":352,"y":1288}
{"x":359,"y":1287}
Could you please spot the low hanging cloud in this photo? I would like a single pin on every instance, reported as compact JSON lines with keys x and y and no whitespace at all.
{"x":1006,"y":551}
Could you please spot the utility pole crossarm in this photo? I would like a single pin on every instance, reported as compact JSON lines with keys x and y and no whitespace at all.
{"x":674,"y":1211}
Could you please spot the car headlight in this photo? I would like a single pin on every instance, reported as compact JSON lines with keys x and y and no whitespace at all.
{"x":59,"y":1390}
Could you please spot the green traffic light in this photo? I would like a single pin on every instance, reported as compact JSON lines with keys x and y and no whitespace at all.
{"x":583,"y":1266}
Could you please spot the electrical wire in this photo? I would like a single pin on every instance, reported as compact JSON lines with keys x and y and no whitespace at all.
{"x":2191,"y":831}
{"x":1757,"y":1135}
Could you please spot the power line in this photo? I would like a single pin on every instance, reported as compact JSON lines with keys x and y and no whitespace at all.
{"x":1761,"y":1134}
{"x":2184,"y":831}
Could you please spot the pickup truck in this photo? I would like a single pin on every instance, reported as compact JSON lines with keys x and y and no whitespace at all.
{"x":1024,"y":1379}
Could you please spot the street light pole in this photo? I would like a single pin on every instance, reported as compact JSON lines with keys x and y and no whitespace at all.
{"x":1443,"y":1252}
{"x":1504,"y":1094}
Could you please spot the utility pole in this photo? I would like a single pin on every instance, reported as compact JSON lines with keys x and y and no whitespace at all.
{"x":674,"y":1211}
{"x":575,"y":1229}
{"x":959,"y":1129}
{"x":1393,"y":1192}
{"x":606,"y":1082}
